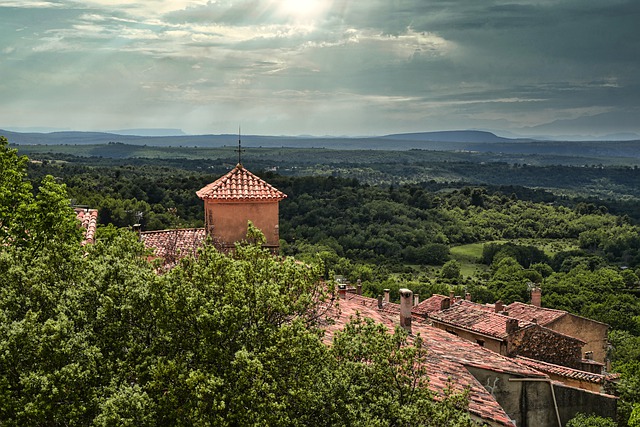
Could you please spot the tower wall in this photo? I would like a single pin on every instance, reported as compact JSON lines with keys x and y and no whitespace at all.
{"x":226,"y":222}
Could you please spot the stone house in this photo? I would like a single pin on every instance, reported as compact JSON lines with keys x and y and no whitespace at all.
{"x":592,"y":332}
{"x":503,"y":391}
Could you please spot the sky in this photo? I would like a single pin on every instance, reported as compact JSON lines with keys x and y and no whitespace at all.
{"x":322,"y":67}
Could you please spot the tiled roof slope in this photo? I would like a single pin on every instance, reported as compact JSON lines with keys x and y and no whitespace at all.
{"x":240,"y":184}
{"x":180,"y":242}
{"x":543,"y":316}
{"x":431,"y":304}
{"x":448,"y":355}
{"x":566,"y":372}
{"x":88,"y":221}
{"x":528,"y":312}
{"x":465,"y":315}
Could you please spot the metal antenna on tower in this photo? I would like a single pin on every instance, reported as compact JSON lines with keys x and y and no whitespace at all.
{"x":239,"y":150}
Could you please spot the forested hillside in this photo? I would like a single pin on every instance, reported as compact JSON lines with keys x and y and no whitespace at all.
{"x":582,"y":251}
{"x":94,"y":336}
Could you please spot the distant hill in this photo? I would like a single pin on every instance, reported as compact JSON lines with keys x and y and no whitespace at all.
{"x":451,"y":136}
{"x":473,"y":141}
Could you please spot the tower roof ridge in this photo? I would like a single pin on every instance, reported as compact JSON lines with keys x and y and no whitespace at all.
{"x":240,"y":184}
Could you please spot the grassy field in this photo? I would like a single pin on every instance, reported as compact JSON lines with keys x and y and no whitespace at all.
{"x":468,"y":256}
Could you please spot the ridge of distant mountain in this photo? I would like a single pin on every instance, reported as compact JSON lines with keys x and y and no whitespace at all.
{"x":475,"y":141}
{"x":452,"y":136}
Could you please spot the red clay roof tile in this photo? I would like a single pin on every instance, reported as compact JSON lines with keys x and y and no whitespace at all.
{"x":528,"y":312}
{"x":466,"y":315}
{"x":88,"y":221}
{"x":240,"y":184}
{"x":180,"y":242}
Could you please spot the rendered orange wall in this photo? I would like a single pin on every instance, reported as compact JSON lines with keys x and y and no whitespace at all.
{"x":230,"y":220}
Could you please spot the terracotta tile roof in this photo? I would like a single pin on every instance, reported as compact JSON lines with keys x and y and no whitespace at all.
{"x":88,"y":221}
{"x":448,"y":355}
{"x":431,"y":304}
{"x":240,"y":184}
{"x":566,"y":372}
{"x":529,"y":312}
{"x":466,"y":316}
{"x":174,"y":243}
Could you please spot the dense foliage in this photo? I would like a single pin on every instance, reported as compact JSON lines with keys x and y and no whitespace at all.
{"x":93,"y":336}
{"x":585,"y":258}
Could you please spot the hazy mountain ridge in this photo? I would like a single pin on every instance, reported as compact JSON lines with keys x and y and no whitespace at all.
{"x":480,"y":141}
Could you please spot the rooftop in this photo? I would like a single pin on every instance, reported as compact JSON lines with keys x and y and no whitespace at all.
{"x":531,"y":313}
{"x":88,"y":221}
{"x":449,"y":355}
{"x":566,"y":372}
{"x":467,"y":315}
{"x":240,"y":184}
{"x":430,"y":305}
{"x":179,"y":242}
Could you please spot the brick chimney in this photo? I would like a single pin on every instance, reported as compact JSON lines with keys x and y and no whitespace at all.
{"x":406,"y":297}
{"x":536,"y":296}
{"x":359,"y":287}
{"x":512,"y":325}
{"x":445,"y":303}
{"x":386,"y":295}
{"x":416,"y":299}
{"x":499,"y":307}
{"x":342,"y":291}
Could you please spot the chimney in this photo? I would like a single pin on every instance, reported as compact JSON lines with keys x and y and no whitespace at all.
{"x":137,"y":228}
{"x":536,"y":296}
{"x":499,"y":307}
{"x":452,"y":297}
{"x":588,"y":355}
{"x":386,"y":295}
{"x":359,"y":287}
{"x":342,"y":291}
{"x":467,"y":296}
{"x":445,"y":303}
{"x":416,"y":299}
{"x":379,"y":301}
{"x":406,"y":297}
{"x":512,"y":325}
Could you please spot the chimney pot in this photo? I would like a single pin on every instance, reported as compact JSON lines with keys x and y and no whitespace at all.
{"x":342,"y":291}
{"x":536,"y":296}
{"x":512,"y":325}
{"x":386,"y":295}
{"x":359,"y":287}
{"x":406,"y":297}
{"x":467,"y":296}
{"x":416,"y":299}
{"x":452,"y":297}
{"x":379,"y":301}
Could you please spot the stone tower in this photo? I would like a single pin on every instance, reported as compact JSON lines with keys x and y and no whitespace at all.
{"x":235,"y":199}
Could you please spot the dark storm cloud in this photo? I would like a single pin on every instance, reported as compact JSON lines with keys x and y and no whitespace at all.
{"x":378,"y":66}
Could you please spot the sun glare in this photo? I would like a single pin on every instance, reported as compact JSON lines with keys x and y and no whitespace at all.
{"x":303,"y":10}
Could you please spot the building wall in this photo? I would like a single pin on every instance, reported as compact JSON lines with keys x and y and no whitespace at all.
{"x":589,"y":331}
{"x":228,"y":221}
{"x":536,"y":342}
{"x":531,"y":402}
{"x":571,"y":401}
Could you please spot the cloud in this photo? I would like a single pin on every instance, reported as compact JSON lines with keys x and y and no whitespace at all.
{"x":390,"y":66}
